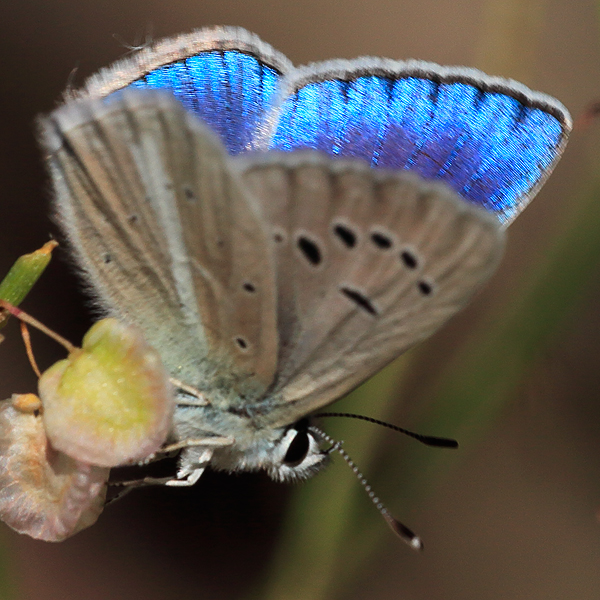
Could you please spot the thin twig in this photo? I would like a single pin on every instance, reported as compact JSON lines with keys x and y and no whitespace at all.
{"x":29,"y":349}
{"x":23,"y":316}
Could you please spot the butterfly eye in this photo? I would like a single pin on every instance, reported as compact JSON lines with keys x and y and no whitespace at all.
{"x":297,"y":450}
{"x":297,"y":455}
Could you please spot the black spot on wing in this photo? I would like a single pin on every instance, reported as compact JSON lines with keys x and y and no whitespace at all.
{"x":345,"y":235}
{"x":409,"y":259}
{"x":310,"y":250}
{"x":381,"y":240}
{"x":189,"y":193}
{"x":241,"y":342}
{"x":360,"y":300}
{"x":425,"y":288}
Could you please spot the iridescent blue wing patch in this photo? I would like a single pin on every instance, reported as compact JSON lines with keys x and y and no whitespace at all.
{"x":492,"y":140}
{"x":227,"y":76}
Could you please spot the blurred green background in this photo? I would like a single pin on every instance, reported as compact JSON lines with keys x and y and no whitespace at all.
{"x":514,"y":513}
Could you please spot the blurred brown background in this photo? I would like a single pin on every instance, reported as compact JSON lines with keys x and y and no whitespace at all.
{"x":516,"y":519}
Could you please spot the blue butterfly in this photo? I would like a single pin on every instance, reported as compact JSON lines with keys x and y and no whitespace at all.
{"x":280,"y":234}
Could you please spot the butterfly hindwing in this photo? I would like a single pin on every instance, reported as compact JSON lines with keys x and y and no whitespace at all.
{"x":493,"y":141}
{"x":368,"y":264}
{"x":167,"y":235}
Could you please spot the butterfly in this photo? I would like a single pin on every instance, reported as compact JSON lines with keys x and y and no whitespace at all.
{"x":281,"y":234}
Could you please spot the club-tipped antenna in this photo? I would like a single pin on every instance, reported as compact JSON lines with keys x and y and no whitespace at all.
{"x":428,"y":440}
{"x":401,"y":530}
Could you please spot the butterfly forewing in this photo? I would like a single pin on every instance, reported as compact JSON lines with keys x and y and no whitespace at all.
{"x":143,"y":182}
{"x":368,"y":265}
{"x":226,"y":76}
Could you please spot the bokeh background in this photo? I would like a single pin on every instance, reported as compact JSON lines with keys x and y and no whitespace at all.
{"x":514,"y":513}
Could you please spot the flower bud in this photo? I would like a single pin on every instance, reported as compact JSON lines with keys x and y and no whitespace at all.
{"x":109,"y":403}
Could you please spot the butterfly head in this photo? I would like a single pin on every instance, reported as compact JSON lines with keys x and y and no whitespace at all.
{"x":289,"y":453}
{"x":297,"y":454}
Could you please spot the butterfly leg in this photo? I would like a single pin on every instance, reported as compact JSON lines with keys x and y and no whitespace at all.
{"x":187,"y":475}
{"x":195,"y":457}
{"x":185,"y":478}
{"x":210,"y":442}
{"x":194,"y":461}
{"x":144,"y":481}
{"x":197,"y":397}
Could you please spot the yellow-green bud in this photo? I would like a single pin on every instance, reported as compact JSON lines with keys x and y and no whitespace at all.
{"x":111,"y":402}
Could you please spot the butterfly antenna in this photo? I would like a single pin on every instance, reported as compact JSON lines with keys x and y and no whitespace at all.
{"x":401,"y":530}
{"x":428,"y":440}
